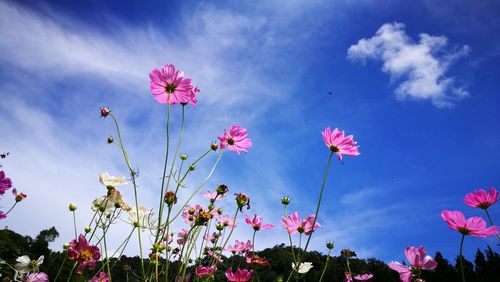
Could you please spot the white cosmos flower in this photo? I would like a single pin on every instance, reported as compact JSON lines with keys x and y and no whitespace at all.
{"x":145,"y":216}
{"x":108,"y":180}
{"x":104,"y":205}
{"x":304,"y":267}
{"x":25,"y":264}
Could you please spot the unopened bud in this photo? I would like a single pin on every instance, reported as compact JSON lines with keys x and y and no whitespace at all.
{"x":20,"y":197}
{"x":242,"y":200}
{"x":192,"y":167}
{"x":105,"y":112}
{"x":285,"y":201}
{"x":184,"y":157}
{"x":219,"y":211}
{"x":221,"y":189}
{"x":330,"y":245}
{"x":87,"y":229}
{"x":219,"y":227}
{"x":65,"y":246}
{"x":214,"y":146}
{"x":170,"y":198}
{"x":72,"y":207}
{"x":110,"y":140}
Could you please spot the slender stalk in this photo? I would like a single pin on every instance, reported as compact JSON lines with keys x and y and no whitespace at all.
{"x":491,"y":221}
{"x":289,"y":236}
{"x":461,"y":258}
{"x":11,"y":208}
{"x":319,"y":200}
{"x":71,"y":272}
{"x":253,"y":241}
{"x":232,"y":229}
{"x":106,"y":254}
{"x":74,"y":224}
{"x":61,"y":267}
{"x":326,"y":265}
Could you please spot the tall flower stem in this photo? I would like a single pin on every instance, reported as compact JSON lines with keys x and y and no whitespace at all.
{"x":74,"y":224}
{"x":132,"y":174}
{"x":461,"y":258}
{"x":11,"y":208}
{"x":61,"y":267}
{"x":289,"y":236}
{"x":491,"y":221}
{"x":319,"y":199}
{"x":106,"y":253}
{"x":326,"y":265}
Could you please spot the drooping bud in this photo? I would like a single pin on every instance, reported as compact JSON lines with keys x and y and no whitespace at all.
{"x":170,"y":198}
{"x":20,"y":197}
{"x":105,"y":112}
{"x":285,"y":201}
{"x":72,"y":207}
{"x":184,"y":157}
{"x":242,"y":200}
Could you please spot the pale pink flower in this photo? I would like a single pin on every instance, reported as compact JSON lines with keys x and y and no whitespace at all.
{"x":211,"y":238}
{"x":339,"y":144}
{"x":363,"y":277}
{"x":236,"y":139}
{"x":212,"y":196}
{"x":252,"y":258}
{"x":215,"y":255}
{"x":202,"y":271}
{"x":36,"y":277}
{"x":240,"y":247}
{"x":182,"y":236}
{"x":226,"y":221}
{"x":294,"y":224}
{"x":5,"y":183}
{"x":241,"y":275}
{"x":475,"y":226}
{"x":481,"y":199}
{"x":169,"y":86}
{"x":418,"y":259}
{"x":86,"y":255}
{"x":256,"y":223}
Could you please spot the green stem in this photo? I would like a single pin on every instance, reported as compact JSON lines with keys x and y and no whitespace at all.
{"x":11,"y":208}
{"x":326,"y":265}
{"x":491,"y":221}
{"x":61,"y":267}
{"x":71,"y":272}
{"x":106,"y":254}
{"x":461,"y":258}
{"x":74,"y":225}
{"x":319,"y":200}
{"x":253,"y":241}
{"x":289,"y":236}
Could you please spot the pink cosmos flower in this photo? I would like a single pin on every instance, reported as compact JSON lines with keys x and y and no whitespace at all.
{"x":241,"y":275}
{"x":294,"y":224}
{"x":36,"y":277}
{"x":481,"y":199}
{"x":348,"y":277}
{"x":418,"y":259}
{"x":2,"y":215}
{"x":252,"y":258}
{"x":182,"y":236}
{"x":226,"y":221}
{"x":215,"y":255}
{"x":5,"y":183}
{"x":102,"y":277}
{"x":475,"y":226}
{"x":202,"y":271}
{"x":86,"y":255}
{"x":256,"y":223}
{"x":212,"y":196}
{"x":236,"y":139}
{"x":240,"y":247}
{"x":339,"y":144}
{"x":169,"y":86}
{"x":363,"y":277}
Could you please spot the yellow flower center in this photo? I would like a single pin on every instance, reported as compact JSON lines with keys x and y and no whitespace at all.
{"x":85,"y":254}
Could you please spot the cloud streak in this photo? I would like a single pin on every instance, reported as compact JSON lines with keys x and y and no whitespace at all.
{"x":421,"y":67}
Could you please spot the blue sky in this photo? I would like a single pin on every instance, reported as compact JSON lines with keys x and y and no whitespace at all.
{"x":414,"y":81}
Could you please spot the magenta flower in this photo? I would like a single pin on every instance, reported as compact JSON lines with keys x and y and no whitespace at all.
{"x":2,"y":215}
{"x":419,"y":260}
{"x":481,"y":199}
{"x":236,"y":139}
{"x":86,"y":255}
{"x":226,"y":221}
{"x":363,"y":277}
{"x":202,"y":271}
{"x":294,"y":224}
{"x":36,"y":277}
{"x":5,"y":183}
{"x":169,"y":86}
{"x":348,"y":277}
{"x":241,"y":275}
{"x":339,"y":144}
{"x":475,"y":226}
{"x":102,"y":277}
{"x":256,"y":223}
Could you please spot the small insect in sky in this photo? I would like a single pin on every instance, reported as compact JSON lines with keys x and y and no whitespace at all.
{"x":4,"y":155}
{"x":330,"y":92}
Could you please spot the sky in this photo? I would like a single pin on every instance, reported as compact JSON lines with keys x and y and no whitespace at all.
{"x":415,"y":82}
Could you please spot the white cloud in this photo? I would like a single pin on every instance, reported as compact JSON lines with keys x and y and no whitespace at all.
{"x":421,"y":67}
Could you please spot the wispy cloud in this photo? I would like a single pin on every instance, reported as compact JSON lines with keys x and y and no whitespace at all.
{"x":420,"y":66}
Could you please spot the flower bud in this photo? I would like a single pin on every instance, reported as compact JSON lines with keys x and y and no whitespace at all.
{"x":192,"y":167}
{"x":110,"y":139}
{"x":242,"y":200}
{"x":170,"y":198}
{"x":219,"y":227}
{"x":184,"y":157}
{"x":20,"y":197}
{"x":221,"y":189}
{"x":72,"y":207}
{"x":219,"y":211}
{"x":105,"y":112}
{"x":65,"y":246}
{"x":214,"y":146}
{"x":330,"y":245}
{"x":285,"y":201}
{"x":87,"y":229}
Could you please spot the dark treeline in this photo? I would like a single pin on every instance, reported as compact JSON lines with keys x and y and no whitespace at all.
{"x":485,"y":268}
